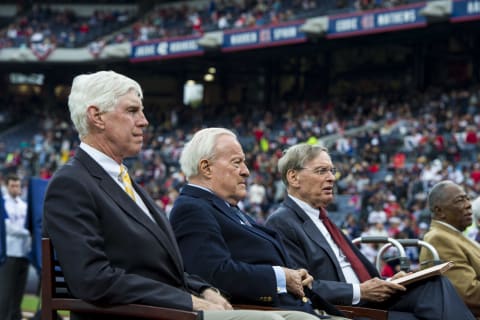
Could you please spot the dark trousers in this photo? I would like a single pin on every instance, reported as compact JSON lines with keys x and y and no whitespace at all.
{"x":434,"y":298}
{"x":13,"y":278}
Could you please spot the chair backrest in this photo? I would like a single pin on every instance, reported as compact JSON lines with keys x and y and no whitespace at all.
{"x":55,"y":296}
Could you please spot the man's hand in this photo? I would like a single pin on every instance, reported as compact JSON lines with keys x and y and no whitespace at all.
{"x":378,"y":290}
{"x":204,"y":304}
{"x":296,"y":280}
{"x":215,"y":297}
{"x":399,"y":275}
{"x":307,"y":278}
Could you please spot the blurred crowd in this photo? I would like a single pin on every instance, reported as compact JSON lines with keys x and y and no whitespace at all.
{"x":40,"y":25}
{"x":388,"y":151}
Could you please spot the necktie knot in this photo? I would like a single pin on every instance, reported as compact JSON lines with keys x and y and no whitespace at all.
{"x":127,"y":183}
{"x":322,"y":213}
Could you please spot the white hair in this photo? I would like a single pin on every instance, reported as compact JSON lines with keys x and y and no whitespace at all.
{"x":202,"y":146}
{"x":100,"y":89}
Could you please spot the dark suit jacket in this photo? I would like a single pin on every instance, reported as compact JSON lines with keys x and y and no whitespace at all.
{"x":309,"y":249}
{"x":110,"y":251}
{"x":234,"y":257}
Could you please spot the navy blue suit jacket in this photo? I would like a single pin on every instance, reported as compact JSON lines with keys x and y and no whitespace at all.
{"x":234,"y":257}
{"x":110,"y":251}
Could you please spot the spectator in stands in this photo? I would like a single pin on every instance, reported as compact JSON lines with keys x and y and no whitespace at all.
{"x":222,"y":244}
{"x":451,"y":215}
{"x":14,"y":272}
{"x":340,"y":271}
{"x":473,"y":232}
{"x":97,"y":239}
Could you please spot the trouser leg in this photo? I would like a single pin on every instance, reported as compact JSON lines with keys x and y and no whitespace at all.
{"x":21,"y":267}
{"x":434,"y":298}
{"x":262,"y":315}
{"x":9,"y":288}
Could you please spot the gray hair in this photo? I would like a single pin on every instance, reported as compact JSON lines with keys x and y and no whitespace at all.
{"x":296,"y":156}
{"x":202,"y":146}
{"x":101,"y":89}
{"x":436,"y":196}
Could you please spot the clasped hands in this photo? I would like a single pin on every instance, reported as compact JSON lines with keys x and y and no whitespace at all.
{"x":210,"y":299}
{"x":296,"y":280}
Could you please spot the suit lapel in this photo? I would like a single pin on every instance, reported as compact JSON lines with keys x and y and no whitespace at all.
{"x":317,"y":237}
{"x":224,"y":208}
{"x":161,"y":231}
{"x":314,"y":234}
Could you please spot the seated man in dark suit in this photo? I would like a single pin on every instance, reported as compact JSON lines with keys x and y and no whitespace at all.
{"x":341,"y":272}
{"x":221,"y":244}
{"x":115,"y":246}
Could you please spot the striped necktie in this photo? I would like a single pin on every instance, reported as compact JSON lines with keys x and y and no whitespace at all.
{"x":127,"y":183}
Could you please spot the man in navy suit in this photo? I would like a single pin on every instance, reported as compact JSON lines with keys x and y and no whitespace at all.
{"x":219,"y":243}
{"x":338,"y":266}
{"x":114,"y":244}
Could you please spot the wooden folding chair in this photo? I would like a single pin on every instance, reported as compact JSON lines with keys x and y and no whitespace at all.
{"x":55,"y":297}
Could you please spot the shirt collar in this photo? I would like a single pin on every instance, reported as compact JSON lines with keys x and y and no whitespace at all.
{"x":309,"y":210}
{"x":447,"y":225}
{"x":107,"y":163}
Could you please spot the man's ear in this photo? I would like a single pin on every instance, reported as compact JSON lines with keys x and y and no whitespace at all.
{"x":437,"y":213}
{"x":292,"y":178}
{"x":204,"y":168}
{"x":95,"y":117}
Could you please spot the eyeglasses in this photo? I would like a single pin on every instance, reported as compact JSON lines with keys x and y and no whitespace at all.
{"x":321,"y":171}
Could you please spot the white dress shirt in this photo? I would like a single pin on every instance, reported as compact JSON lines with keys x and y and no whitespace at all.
{"x":348,"y":273}
{"x":18,"y":237}
{"x":113,"y":170}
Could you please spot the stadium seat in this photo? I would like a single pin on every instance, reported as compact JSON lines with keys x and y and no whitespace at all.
{"x":55,"y":296}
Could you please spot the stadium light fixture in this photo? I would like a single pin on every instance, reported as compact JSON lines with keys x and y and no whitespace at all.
{"x":211,"y":40}
{"x":315,"y":26}
{"x":438,"y":10}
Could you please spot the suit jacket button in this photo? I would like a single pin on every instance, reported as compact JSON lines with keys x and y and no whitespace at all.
{"x":304,"y":299}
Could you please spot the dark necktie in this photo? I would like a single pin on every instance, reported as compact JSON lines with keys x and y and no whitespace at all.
{"x":241,"y":215}
{"x":342,"y":243}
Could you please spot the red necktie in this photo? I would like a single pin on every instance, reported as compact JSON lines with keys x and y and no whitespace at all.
{"x":337,"y":236}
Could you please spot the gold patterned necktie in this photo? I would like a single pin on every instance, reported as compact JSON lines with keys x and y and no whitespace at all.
{"x":127,"y":183}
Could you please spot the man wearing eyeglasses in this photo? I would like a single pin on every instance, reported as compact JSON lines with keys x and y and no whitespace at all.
{"x":342,"y":274}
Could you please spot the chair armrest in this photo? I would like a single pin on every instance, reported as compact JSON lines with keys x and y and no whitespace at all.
{"x":375,"y":314}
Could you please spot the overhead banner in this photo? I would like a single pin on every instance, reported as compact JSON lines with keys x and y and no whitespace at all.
{"x":263,"y":37}
{"x":168,"y":48}
{"x":362,"y":23}
{"x":465,"y":11}
{"x":343,"y":25}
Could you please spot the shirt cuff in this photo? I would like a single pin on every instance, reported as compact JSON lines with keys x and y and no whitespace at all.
{"x":281,"y":279}
{"x":356,"y":294}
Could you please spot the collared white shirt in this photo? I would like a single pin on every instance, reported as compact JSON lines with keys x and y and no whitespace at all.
{"x":348,"y":273}
{"x":113,"y":170}
{"x":18,"y":237}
